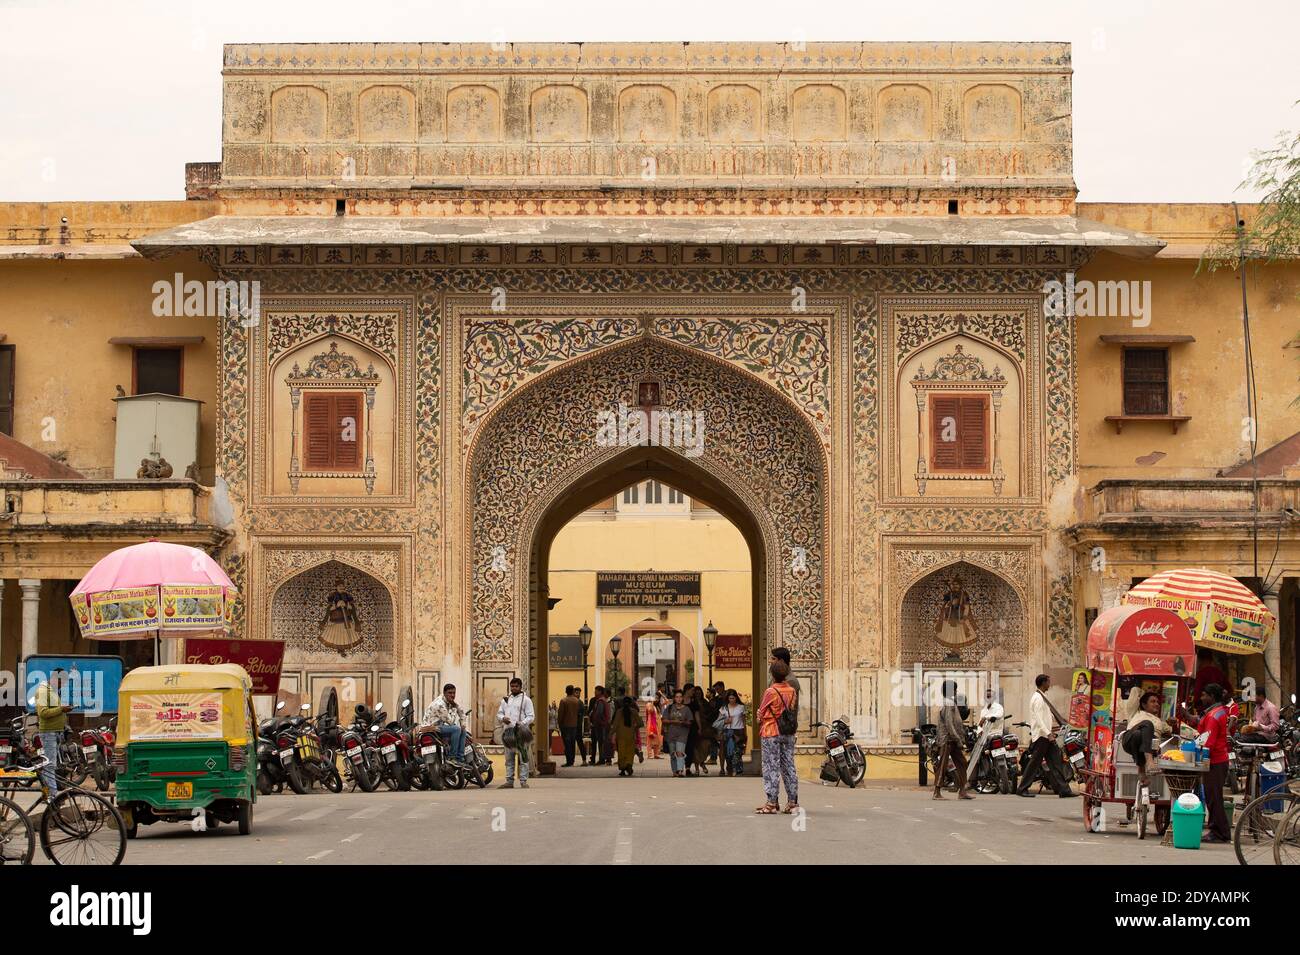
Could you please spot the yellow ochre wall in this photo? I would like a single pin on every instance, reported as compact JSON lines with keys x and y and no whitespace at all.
{"x":711,"y":546}
{"x":59,"y":315}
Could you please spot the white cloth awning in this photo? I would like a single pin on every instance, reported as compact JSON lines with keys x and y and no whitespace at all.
{"x":799,"y":230}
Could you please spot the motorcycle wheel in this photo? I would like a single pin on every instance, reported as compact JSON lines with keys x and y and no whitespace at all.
{"x":365,"y":779}
{"x":483,"y":773}
{"x":1004,"y":778}
{"x":76,"y":771}
{"x":437,"y":775}
{"x":332,"y":780}
{"x":296,"y":782}
{"x":263,"y":783}
{"x":922,"y":769}
{"x":858,"y":765}
{"x":985,"y":783}
{"x":843,"y":771}
{"x":401,"y":777}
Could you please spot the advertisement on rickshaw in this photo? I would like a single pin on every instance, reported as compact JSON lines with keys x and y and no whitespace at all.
{"x":175,"y":716}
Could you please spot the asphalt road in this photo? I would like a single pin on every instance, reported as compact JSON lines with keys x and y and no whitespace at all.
{"x":592,"y":816}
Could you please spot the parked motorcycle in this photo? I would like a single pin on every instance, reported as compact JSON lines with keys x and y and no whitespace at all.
{"x":360,"y":761}
{"x":844,"y":759}
{"x":97,"y":750}
{"x":986,"y":769}
{"x":394,"y":743}
{"x":271,"y":775}
{"x":433,"y":769}
{"x":477,"y":767}
{"x":306,"y":761}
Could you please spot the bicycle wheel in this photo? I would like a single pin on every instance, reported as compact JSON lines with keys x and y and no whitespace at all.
{"x":82,"y":828}
{"x":1253,"y":834}
{"x":1286,"y":838}
{"x":17,"y":841}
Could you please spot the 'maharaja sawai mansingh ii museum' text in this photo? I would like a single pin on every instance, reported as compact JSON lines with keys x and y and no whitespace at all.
{"x":835,"y":259}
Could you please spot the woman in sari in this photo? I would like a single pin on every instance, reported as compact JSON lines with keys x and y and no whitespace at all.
{"x":653,"y":737}
{"x":627,"y":721}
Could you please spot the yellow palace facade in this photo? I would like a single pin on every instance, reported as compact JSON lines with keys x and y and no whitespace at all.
{"x":841,"y":265}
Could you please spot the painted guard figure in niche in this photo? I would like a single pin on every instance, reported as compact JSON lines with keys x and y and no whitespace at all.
{"x":340,"y":627}
{"x":956,"y":624}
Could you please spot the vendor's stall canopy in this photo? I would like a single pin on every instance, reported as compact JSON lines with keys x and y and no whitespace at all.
{"x":756,"y":230}
{"x":1222,"y":612}
{"x":1141,"y":640}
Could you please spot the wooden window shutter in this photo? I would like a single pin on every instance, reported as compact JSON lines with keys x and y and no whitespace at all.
{"x":347,"y":431}
{"x":317,"y":413}
{"x":973,"y":433}
{"x":1146,"y":381}
{"x":945,"y":455}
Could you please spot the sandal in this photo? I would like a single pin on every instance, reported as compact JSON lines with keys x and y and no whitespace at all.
{"x":790,"y":807}
{"x":767,"y":809}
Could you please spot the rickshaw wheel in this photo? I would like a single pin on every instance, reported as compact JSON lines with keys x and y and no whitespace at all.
{"x":246,"y":816}
{"x":1142,"y":821}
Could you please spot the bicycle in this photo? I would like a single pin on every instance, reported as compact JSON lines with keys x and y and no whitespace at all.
{"x":1256,"y":829}
{"x":77,"y":827}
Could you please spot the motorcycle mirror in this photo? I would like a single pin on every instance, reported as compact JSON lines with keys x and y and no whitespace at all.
{"x":379,"y":707}
{"x":1293,"y":698}
{"x":279,"y":706}
{"x":375,"y":728}
{"x":406,"y":704}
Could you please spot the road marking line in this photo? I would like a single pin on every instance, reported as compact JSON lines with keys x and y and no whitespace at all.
{"x":319,"y":855}
{"x":352,"y":838}
{"x":314,"y":814}
{"x":623,"y":846}
{"x":421,"y":813}
{"x":368,"y":813}
{"x":263,"y":816}
{"x":960,"y":838}
{"x":993,"y":855}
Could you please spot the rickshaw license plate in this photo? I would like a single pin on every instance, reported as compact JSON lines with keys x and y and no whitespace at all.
{"x":180,"y":790}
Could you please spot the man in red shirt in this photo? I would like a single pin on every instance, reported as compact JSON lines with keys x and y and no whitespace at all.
{"x":1214,"y":723}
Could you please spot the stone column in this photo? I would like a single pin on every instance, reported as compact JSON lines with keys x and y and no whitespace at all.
{"x":1273,"y":652}
{"x":31,"y":604}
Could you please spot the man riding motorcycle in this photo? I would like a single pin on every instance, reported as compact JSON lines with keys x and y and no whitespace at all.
{"x":451,"y":722}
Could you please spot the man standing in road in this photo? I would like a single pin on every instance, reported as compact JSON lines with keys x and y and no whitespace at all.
{"x":52,"y":720}
{"x":600,"y":713}
{"x":951,"y":737}
{"x":569,"y":719}
{"x":516,"y":715}
{"x":1042,"y":744}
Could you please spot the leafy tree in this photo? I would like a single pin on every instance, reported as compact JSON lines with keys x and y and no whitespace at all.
{"x":1273,"y":232}
{"x":616,"y":681}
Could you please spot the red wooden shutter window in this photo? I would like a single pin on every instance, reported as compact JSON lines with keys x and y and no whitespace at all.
{"x":1146,"y":381}
{"x":965,"y":418}
{"x":325,"y":429}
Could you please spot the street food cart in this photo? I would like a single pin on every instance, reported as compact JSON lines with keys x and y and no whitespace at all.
{"x":1141,"y":649}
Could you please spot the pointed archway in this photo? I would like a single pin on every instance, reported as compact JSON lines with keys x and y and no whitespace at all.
{"x":539,"y":459}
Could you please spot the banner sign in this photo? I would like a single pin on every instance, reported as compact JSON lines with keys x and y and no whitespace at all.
{"x":90,"y":683}
{"x":127,"y":611}
{"x":565,"y":652}
{"x":648,"y":589}
{"x":1081,"y":699}
{"x":1219,"y":625}
{"x":193,"y":606}
{"x":261,"y":658}
{"x":180,"y":715}
{"x":734,"y":651}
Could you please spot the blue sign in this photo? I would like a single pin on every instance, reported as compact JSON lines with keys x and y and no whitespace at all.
{"x":89,"y":683}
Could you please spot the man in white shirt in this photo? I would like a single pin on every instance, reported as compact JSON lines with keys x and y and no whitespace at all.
{"x":1042,"y":745}
{"x":449,"y":719}
{"x":516,"y":714}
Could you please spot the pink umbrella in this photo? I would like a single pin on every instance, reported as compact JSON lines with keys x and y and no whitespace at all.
{"x":154,"y":588}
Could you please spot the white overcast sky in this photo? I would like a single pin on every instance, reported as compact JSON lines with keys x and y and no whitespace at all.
{"x":107,"y":99}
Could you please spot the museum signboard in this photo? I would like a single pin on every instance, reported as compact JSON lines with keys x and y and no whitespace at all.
{"x":647,"y":589}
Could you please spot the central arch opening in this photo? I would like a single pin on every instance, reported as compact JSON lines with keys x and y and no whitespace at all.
{"x":655,"y":647}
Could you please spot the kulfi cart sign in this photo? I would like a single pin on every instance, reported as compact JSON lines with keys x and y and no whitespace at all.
{"x":1220,"y":611}
{"x":180,"y":715}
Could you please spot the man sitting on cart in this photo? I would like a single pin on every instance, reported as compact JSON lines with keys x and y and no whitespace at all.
{"x":1145,"y":731}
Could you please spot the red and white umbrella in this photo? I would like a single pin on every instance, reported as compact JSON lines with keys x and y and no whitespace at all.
{"x":153,"y":589}
{"x":1222,"y":612}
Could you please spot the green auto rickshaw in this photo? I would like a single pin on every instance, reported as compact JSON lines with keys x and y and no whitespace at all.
{"x":187,"y":746}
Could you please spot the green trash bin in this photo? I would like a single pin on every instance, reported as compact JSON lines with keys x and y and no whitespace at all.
{"x":1187,"y":815}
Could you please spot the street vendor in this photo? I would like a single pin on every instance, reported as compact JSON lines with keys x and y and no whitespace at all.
{"x":1214,"y":724}
{"x":1145,"y":731}
{"x":1264,"y":726}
